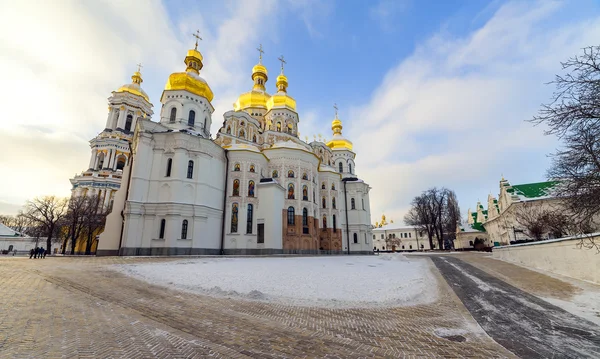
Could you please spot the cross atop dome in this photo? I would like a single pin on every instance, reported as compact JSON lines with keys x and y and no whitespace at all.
{"x":139,"y":66}
{"x":282,"y":60}
{"x":261,"y":52}
{"x":197,"y":36}
{"x":336,"y":109}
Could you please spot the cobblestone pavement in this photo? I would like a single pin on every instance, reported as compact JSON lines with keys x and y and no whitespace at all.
{"x":520,"y":321}
{"x":78,"y":308}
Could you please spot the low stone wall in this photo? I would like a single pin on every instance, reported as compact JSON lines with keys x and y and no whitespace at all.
{"x":562,"y":256}
{"x":172,"y":251}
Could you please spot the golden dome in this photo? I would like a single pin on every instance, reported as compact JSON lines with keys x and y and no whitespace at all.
{"x":338,"y":142}
{"x":190,"y":80}
{"x":281,"y":98}
{"x":259,"y":68}
{"x":251,"y":99}
{"x":258,"y":97}
{"x":134,"y":87}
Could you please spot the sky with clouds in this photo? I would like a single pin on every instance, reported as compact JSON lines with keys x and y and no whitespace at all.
{"x":431,"y":93}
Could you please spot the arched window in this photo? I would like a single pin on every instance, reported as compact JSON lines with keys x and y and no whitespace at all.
{"x":291,"y":217}
{"x":254,"y":138}
{"x":323,"y":186}
{"x":324,"y":221}
{"x":121,"y":162}
{"x":363,"y":203}
{"x":169,"y":165}
{"x":205,"y":124}
{"x":333,"y":186}
{"x":234,"y":218}
{"x":324,"y":202}
{"x":251,"y":189}
{"x":334,"y":224}
{"x":242,"y":134}
{"x":304,"y":193}
{"x":305,"y":176}
{"x":252,"y":168}
{"x":314,"y":197}
{"x":173,"y":114}
{"x":290,"y":128}
{"x":352,"y":204}
{"x":291,"y":174}
{"x":191,"y":118}
{"x":128,"y":122}
{"x":236,"y":188}
{"x":355,"y":237}
{"x":340,"y":167}
{"x":291,"y":191}
{"x":100,"y":160}
{"x":161,"y":232}
{"x":275,"y":174}
{"x":304,"y":217}
{"x":242,"y":123}
{"x":190,"y":172}
{"x":184,"y":226}
{"x":249,"y":219}
{"x":228,"y":130}
{"x":333,"y":202}
{"x":278,"y":126}
{"x":236,"y":167}
{"x":350,"y":167}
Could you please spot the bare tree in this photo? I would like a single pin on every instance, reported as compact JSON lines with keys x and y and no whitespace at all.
{"x":45,"y":213}
{"x":73,"y":221}
{"x":573,"y":114}
{"x":420,"y":216}
{"x":436,"y":213}
{"x":531,"y":218}
{"x":93,"y":220}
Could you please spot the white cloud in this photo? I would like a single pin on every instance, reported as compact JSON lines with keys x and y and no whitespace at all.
{"x":452,"y":114}
{"x":63,"y":65}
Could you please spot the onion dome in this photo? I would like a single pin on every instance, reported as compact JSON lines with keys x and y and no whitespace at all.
{"x":190,"y":80}
{"x":338,"y":142}
{"x":258,"y":97}
{"x":281,"y":98}
{"x":134,"y":87}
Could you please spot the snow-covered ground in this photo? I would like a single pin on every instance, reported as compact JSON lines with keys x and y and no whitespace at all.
{"x":332,"y":281}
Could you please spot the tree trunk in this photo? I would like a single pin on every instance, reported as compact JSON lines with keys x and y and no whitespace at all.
{"x":49,"y":240}
{"x":73,"y":244}
{"x":88,"y":245}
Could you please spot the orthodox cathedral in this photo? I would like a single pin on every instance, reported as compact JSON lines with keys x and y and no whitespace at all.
{"x":256,"y":188}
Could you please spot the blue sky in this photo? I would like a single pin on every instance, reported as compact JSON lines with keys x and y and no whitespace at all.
{"x":431,"y":93}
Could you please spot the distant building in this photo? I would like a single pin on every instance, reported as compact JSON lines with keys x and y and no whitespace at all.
{"x":501,"y":222}
{"x":394,"y":237}
{"x":11,"y":240}
{"x":469,"y":234}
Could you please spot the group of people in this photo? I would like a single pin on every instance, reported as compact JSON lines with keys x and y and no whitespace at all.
{"x":38,"y":252}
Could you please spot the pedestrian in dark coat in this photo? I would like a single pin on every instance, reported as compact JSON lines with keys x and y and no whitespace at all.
{"x":42,"y":250}
{"x":31,"y":252}
{"x":37,"y":250}
{"x":45,"y":252}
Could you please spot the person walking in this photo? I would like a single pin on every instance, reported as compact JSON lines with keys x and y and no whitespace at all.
{"x":14,"y":252}
{"x":41,"y":252}
{"x":35,"y":253}
{"x":31,"y":253}
{"x":45,"y":252}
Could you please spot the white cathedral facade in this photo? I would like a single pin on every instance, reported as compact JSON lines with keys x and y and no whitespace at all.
{"x":256,"y":188}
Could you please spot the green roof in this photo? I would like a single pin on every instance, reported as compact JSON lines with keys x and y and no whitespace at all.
{"x":533,"y":190}
{"x":478,"y":226}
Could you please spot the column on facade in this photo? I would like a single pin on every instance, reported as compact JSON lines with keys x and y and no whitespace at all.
{"x":97,"y":157}
{"x":114,"y":165}
{"x":92,"y":158}
{"x":121,"y":120}
{"x":107,"y":196}
{"x":111,"y":153}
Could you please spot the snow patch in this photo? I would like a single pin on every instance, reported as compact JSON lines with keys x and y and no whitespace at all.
{"x":336,"y":281}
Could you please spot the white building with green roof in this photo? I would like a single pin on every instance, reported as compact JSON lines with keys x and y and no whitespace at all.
{"x":468,"y":233}
{"x":500,"y":221}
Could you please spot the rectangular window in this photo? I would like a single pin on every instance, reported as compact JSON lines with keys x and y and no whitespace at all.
{"x":261,"y":233}
{"x":382,"y":236}
{"x":409,"y":236}
{"x":249,"y":219}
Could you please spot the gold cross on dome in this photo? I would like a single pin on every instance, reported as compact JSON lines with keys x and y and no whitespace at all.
{"x":336,"y":109}
{"x":197,"y":36}
{"x":261,"y":52}
{"x":281,"y":59}
{"x":139,"y":66}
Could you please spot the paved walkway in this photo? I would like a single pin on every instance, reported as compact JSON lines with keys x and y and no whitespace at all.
{"x":521,"y":322}
{"x":78,"y":308}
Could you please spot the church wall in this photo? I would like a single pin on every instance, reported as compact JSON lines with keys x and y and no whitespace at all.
{"x":245,"y":166}
{"x":359,"y":218}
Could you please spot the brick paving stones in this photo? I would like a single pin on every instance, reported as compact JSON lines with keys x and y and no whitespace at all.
{"x":520,"y":321}
{"x":79,"y":308}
